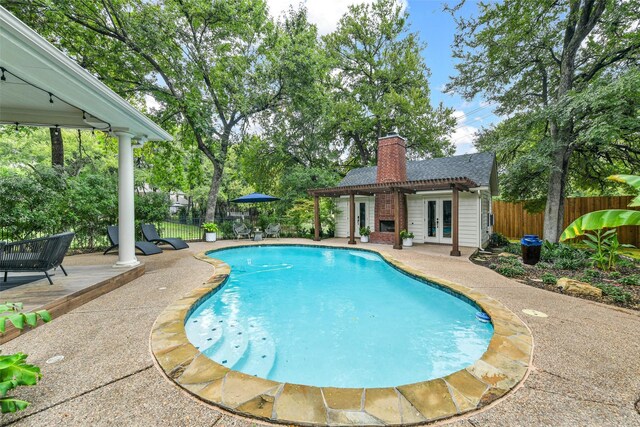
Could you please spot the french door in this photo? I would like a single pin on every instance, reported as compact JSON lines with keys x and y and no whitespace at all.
{"x":438,"y":220}
{"x":361,"y":216}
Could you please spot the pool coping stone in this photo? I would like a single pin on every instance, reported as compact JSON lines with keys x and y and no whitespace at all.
{"x":500,"y":369}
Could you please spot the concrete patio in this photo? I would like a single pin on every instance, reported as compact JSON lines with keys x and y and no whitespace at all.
{"x":586,"y":366}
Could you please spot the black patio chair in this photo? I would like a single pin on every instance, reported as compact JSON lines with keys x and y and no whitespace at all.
{"x":151,"y":234}
{"x":35,"y":255}
{"x":147,"y":248}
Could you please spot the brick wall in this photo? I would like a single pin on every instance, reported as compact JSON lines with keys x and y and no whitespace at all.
{"x":392,"y":159}
{"x":384,"y":210}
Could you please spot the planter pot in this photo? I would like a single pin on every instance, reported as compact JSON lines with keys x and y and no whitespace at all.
{"x":364,"y":239}
{"x":210,"y":237}
{"x":407,"y":242}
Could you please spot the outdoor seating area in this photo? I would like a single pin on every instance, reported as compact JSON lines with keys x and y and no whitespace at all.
{"x":35,"y":255}
{"x":240,"y":230}
{"x":146,"y":248}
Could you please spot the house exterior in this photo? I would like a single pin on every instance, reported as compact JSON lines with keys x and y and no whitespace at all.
{"x":439,"y":200}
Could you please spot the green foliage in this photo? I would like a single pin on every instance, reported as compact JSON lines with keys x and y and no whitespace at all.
{"x":549,"y":279}
{"x":211,"y":227}
{"x":565,"y":73}
{"x":631,"y":280}
{"x":404,"y":234}
{"x":14,"y":371}
{"x":564,"y":257}
{"x":31,"y":200}
{"x":497,"y":240}
{"x":616,"y":293}
{"x":509,"y":270}
{"x":513,"y":248}
{"x":365,"y":231}
{"x":605,"y":248}
{"x":151,"y":207}
{"x":610,"y":218}
{"x":379,"y":81}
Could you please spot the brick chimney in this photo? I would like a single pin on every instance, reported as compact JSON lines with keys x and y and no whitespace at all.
{"x":392,"y":158}
{"x":392,"y":167}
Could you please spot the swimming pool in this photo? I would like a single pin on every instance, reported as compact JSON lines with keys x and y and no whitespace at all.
{"x":333,"y":317}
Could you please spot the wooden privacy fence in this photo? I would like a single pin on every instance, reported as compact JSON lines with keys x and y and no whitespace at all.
{"x":513,"y":221}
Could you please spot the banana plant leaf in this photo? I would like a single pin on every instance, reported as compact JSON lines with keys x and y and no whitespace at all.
{"x":633,"y":181}
{"x":598,"y":220}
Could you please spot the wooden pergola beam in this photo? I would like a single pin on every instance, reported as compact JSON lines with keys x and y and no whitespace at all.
{"x":316,"y":215}
{"x":352,"y":219}
{"x":455,"y":250}
{"x":397,"y":243}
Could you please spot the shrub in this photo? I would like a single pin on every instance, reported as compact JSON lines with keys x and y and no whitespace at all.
{"x":626,"y":263}
{"x":14,"y":371}
{"x":509,"y":270}
{"x":615,"y":275}
{"x":549,"y":279}
{"x":592,"y":273}
{"x":497,"y":240}
{"x":493,"y":266}
{"x":513,"y":248}
{"x":615,"y":293}
{"x":152,"y":207}
{"x":570,"y":264}
{"x":632,"y":280}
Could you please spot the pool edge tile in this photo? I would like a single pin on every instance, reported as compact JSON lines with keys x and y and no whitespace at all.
{"x":501,"y":368}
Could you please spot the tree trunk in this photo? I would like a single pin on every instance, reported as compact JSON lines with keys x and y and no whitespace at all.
{"x":554,"y":210}
{"x":212,"y":200}
{"x":57,"y":148}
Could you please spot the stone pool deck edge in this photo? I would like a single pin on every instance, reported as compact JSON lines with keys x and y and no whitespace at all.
{"x":501,"y":368}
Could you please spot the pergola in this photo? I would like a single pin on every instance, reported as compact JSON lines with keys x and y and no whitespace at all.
{"x":41,"y":86}
{"x":396,"y":188}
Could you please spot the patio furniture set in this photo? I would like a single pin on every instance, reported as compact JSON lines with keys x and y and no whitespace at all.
{"x":240,"y":230}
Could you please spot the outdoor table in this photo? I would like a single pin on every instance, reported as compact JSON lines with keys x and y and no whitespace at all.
{"x":257,"y":236}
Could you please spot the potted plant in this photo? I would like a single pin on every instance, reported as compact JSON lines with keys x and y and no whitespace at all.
{"x":211,"y":231}
{"x":407,"y":238}
{"x":364,"y":234}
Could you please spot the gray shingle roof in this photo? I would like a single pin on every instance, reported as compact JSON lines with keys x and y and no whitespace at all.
{"x":477,"y":167}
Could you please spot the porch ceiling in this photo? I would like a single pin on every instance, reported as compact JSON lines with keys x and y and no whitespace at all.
{"x":30,"y":61}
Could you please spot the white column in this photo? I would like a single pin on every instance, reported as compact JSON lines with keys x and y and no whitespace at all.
{"x":126,"y":210}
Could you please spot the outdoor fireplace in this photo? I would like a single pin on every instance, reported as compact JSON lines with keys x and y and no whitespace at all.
{"x":387,"y":226}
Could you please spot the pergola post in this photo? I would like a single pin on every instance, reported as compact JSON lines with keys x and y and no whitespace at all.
{"x":126,"y":210}
{"x":455,"y":251}
{"x":316,"y":213}
{"x":352,"y":219}
{"x":397,"y":243}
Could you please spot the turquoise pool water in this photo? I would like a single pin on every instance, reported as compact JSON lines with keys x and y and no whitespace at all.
{"x":333,"y":317}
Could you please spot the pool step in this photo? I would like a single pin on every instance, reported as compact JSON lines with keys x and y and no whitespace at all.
{"x":204,"y":332}
{"x":260,"y":356}
{"x":232,"y":345}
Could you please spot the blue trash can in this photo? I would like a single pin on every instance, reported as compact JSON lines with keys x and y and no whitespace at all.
{"x":531,"y":246}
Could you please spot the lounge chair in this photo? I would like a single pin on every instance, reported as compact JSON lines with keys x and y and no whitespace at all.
{"x":151,"y":234}
{"x":35,"y":255}
{"x":147,"y":248}
{"x":272,"y":230}
{"x":241,"y":230}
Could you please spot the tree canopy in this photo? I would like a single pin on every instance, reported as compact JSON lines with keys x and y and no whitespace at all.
{"x":566,"y":75}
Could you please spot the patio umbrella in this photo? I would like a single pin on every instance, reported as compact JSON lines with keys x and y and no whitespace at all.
{"x":255,"y":198}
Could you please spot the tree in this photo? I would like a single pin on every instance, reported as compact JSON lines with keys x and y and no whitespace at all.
{"x":212,"y":64}
{"x":547,"y":60}
{"x":379,"y":82}
{"x":57,"y":147}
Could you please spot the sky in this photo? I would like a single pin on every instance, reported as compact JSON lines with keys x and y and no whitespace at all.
{"x":434,"y":27}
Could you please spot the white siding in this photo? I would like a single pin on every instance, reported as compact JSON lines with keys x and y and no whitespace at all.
{"x":415,"y":217}
{"x":342,"y":225}
{"x":342,"y":216}
{"x":468,"y":217}
{"x":485,"y":232}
